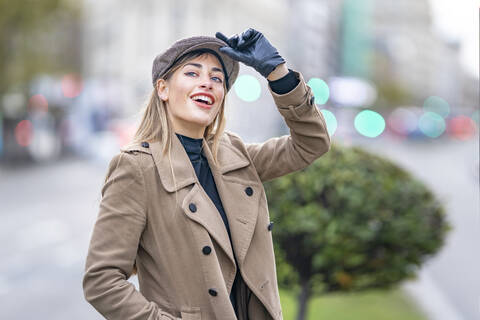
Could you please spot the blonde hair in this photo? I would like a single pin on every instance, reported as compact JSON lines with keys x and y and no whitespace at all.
{"x":157,"y":126}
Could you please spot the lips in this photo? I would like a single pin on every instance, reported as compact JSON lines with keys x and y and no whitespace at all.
{"x":212,"y":98}
{"x":202,"y":104}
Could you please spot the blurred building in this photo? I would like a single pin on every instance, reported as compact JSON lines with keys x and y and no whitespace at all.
{"x":470,"y":95}
{"x":39,"y":51}
{"x":407,"y":49}
{"x":313,"y":45}
{"x":390,"y":43}
{"x":122,"y":39}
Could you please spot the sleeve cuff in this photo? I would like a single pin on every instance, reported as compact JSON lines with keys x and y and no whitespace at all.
{"x":284,"y":84}
{"x":295,"y":97}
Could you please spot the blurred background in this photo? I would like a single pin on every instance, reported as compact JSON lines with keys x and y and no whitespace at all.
{"x":399,"y":78}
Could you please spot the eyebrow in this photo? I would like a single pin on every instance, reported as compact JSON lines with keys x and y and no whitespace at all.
{"x":200,"y":66}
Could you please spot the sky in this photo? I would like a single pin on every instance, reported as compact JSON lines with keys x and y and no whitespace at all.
{"x":458,"y":19}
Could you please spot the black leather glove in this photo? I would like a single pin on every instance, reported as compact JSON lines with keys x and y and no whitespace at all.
{"x":253,"y":49}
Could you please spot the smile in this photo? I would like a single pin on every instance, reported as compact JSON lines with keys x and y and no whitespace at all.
{"x":203,"y":99}
{"x":202,"y":104}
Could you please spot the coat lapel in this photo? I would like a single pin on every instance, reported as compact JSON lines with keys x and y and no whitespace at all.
{"x":183,"y":173}
{"x":241,"y":210}
{"x":180,"y":170}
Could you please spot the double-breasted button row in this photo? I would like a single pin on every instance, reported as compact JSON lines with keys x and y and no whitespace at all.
{"x":206,"y":250}
{"x":249,"y":191}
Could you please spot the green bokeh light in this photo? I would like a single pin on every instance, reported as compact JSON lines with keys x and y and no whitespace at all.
{"x":437,"y":105}
{"x":330,"y":120}
{"x":247,"y":88}
{"x":431,"y":124}
{"x":369,"y":123}
{"x":320,"y":90}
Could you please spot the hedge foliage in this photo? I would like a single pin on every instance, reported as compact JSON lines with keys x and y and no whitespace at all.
{"x":351,"y":221}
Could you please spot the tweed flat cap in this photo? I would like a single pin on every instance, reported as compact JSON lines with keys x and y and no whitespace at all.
{"x":165,"y":60}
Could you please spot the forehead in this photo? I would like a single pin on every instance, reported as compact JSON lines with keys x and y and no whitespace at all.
{"x":206,"y":59}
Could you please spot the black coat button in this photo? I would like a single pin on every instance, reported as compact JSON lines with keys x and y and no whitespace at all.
{"x":212,"y":292}
{"x":206,"y":250}
{"x":248,"y":191}
{"x":192,"y":207}
{"x":270,"y":226}
{"x":145,"y":144}
{"x":312,"y":100}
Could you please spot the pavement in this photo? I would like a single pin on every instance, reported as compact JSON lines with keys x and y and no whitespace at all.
{"x":47,"y":215}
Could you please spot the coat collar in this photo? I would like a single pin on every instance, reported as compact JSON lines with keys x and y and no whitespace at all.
{"x":179,"y":172}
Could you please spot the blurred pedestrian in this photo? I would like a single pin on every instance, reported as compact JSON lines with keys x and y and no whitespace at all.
{"x":183,"y":205}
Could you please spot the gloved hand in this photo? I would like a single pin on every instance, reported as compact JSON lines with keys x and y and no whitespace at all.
{"x":253,"y":49}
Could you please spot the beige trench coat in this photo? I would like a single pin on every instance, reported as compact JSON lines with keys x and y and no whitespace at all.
{"x":174,"y":232}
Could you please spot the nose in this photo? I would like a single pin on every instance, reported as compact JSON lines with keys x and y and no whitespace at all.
{"x":206,"y":82}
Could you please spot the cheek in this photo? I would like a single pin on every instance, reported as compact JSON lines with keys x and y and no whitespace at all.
{"x":217,"y":111}
{"x":221,"y":94}
{"x":178,"y":90}
{"x":222,"y":98}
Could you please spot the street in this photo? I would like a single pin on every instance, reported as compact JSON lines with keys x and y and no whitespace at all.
{"x":47,"y":217}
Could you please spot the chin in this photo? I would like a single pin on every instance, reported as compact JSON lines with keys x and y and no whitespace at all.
{"x":202,"y":119}
{"x":201,"y":122}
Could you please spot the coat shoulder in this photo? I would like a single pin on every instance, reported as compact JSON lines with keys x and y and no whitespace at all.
{"x":133,"y":148}
{"x":141,"y":152}
{"x":232,"y":139}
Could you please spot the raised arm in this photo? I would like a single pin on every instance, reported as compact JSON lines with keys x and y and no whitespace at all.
{"x":114,"y":243}
{"x":309,"y":138}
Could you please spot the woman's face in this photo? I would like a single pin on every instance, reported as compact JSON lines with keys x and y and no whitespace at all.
{"x":194,"y":94}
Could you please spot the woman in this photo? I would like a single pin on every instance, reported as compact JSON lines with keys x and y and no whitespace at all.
{"x":184,"y":205}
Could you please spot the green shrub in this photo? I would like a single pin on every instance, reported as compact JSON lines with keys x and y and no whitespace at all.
{"x":351,"y":221}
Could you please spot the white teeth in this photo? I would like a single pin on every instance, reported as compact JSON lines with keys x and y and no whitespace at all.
{"x":205,"y":98}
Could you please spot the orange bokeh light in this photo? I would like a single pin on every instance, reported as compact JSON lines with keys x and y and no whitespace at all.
{"x":24,"y":133}
{"x":462,"y":127}
{"x":124,"y":132}
{"x":72,"y":85}
{"x":38,"y":102}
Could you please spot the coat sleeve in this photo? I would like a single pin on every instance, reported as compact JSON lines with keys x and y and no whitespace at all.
{"x":114,"y":243}
{"x":308,"y":139}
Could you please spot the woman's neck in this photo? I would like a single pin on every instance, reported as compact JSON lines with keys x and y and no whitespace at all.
{"x":188,"y":135}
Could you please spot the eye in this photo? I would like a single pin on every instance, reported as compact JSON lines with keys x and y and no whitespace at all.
{"x":192,"y":73}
